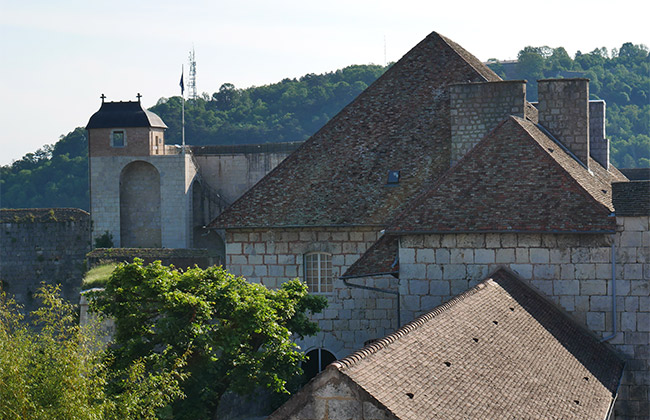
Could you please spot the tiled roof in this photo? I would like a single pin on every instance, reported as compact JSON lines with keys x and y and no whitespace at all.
{"x":339,"y":176}
{"x":122,"y":115}
{"x":499,"y":348}
{"x":380,"y":259}
{"x":632,"y":198}
{"x":517,"y":179}
{"x":48,"y":215}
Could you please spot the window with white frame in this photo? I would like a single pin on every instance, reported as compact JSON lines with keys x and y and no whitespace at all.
{"x":318,"y":272}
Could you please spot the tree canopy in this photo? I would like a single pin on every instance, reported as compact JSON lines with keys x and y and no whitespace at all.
{"x":235,"y":335}
{"x":53,"y":368}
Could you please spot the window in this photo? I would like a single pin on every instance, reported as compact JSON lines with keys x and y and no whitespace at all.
{"x":316,"y":361}
{"x":318,"y":272}
{"x":118,"y":138}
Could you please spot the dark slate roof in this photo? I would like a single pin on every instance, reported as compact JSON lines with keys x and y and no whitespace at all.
{"x":122,"y":115}
{"x":380,"y":259}
{"x":338,"y":177}
{"x":499,"y":348}
{"x":517,"y":179}
{"x":632,"y":198}
{"x":637,"y":174}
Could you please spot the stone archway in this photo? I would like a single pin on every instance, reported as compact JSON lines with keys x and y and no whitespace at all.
{"x":140,"y":220}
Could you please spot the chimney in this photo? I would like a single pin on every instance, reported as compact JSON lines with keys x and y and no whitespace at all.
{"x":477,"y":108}
{"x":564,"y":111}
{"x":598,"y":143}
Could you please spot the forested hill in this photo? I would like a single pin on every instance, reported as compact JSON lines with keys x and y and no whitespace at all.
{"x":293,"y":109}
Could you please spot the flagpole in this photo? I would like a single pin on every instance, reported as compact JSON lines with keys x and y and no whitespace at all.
{"x":183,"y":110}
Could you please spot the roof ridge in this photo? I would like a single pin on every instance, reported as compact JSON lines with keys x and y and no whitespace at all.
{"x":522,"y":123}
{"x":427,"y":190}
{"x":349,"y":361}
{"x":461,"y":52}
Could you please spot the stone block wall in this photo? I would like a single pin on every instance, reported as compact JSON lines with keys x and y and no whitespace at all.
{"x":353,"y":316}
{"x":575,"y":271}
{"x":332,"y":396}
{"x":43,"y":245}
{"x":563,"y":109}
{"x":176,"y":174}
{"x":477,"y":108}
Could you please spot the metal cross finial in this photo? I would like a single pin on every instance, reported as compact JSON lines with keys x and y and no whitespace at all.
{"x":138,"y":96}
{"x":103,"y":97}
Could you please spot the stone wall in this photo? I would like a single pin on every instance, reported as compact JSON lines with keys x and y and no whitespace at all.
{"x":232,"y":170}
{"x":575,"y":271}
{"x":176,"y":175}
{"x":477,"y":108}
{"x":353,"y":316}
{"x":332,"y":396}
{"x":43,"y":245}
{"x":564,"y":111}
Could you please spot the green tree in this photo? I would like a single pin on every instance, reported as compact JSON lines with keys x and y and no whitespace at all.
{"x":52,"y":368}
{"x":237,"y":334}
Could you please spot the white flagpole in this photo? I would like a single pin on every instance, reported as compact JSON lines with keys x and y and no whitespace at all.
{"x":183,"y":109}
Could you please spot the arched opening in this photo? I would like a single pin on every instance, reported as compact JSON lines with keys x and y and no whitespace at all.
{"x":140,"y":221}
{"x":317,"y":360}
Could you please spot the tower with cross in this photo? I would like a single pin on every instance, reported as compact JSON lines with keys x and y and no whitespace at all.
{"x":139,"y":187}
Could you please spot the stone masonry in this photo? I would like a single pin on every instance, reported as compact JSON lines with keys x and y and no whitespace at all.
{"x":43,"y":245}
{"x":353,"y":316}
{"x":564,"y":111}
{"x":477,"y":108}
{"x":573,"y":270}
{"x":176,"y":174}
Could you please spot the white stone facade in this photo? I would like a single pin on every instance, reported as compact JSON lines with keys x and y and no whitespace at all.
{"x":176,"y":175}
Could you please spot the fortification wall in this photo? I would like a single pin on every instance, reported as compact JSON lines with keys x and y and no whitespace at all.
{"x":43,"y":245}
{"x":234,"y":169}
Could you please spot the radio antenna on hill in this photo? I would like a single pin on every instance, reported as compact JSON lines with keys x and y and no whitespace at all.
{"x":191,"y":83}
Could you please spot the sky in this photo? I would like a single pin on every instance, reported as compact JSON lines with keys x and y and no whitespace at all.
{"x":59,"y":56}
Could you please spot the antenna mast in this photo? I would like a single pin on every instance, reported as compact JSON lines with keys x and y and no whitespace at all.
{"x":191,"y":84}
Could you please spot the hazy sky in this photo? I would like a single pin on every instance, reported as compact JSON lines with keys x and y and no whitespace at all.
{"x":59,"y":56}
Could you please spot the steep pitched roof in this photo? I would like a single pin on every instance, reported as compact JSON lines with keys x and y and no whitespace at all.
{"x":380,"y":259}
{"x":122,"y":115}
{"x":517,"y":179}
{"x":498,"y":348}
{"x":338,"y":176}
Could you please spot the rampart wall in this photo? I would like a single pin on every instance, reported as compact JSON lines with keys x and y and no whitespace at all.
{"x":43,"y":245}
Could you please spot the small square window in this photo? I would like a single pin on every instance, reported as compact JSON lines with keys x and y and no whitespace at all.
{"x":118,"y":139}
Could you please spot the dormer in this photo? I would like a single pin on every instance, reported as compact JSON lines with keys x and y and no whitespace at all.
{"x":125,"y":129}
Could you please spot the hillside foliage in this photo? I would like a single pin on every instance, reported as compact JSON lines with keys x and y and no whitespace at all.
{"x":294,"y":109}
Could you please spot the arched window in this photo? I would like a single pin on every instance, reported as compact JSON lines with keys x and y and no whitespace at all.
{"x":317,"y":360}
{"x":318,"y":272}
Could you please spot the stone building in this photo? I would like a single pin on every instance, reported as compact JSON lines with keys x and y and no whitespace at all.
{"x":437,"y":175}
{"x":497,"y":350}
{"x":147,"y":194}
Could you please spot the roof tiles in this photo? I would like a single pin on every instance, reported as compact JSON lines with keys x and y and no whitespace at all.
{"x":499,"y":348}
{"x":517,"y":179}
{"x":339,"y":176}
